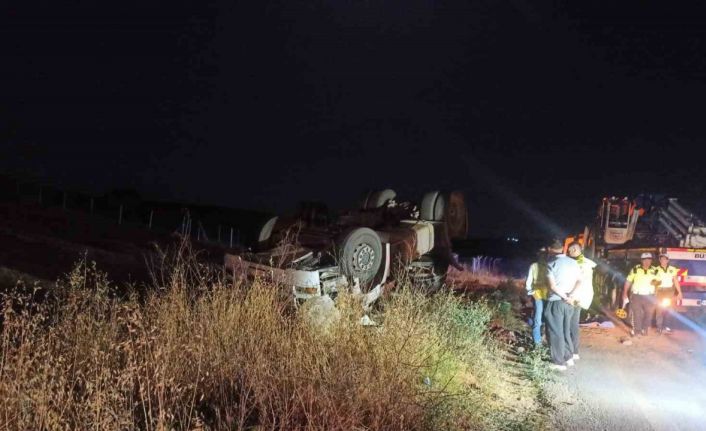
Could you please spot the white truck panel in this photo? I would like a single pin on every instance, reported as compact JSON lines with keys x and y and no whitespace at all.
{"x":424,"y":232}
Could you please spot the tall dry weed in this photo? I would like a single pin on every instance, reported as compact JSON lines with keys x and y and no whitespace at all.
{"x":198,"y":352}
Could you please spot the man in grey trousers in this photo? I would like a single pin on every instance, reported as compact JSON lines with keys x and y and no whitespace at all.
{"x":641,"y":283}
{"x":564,"y":277}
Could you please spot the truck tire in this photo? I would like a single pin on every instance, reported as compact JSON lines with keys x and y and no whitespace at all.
{"x":266,"y":230}
{"x":457,"y":216}
{"x":360,"y":254}
{"x":378,"y":198}
{"x":433,"y":207}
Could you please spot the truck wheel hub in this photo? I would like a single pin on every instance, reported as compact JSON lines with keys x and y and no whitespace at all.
{"x":364,"y":257}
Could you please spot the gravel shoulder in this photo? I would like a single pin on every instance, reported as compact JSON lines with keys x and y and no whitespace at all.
{"x":655,"y":383}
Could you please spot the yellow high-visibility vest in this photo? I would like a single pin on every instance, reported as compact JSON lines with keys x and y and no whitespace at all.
{"x":643,"y":280}
{"x":538,"y":276}
{"x":585,"y":292}
{"x":666,"y":276}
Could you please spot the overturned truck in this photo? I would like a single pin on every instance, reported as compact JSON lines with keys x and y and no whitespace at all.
{"x":317,"y":253}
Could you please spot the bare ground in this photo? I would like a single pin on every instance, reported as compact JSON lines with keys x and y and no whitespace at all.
{"x":657,"y":383}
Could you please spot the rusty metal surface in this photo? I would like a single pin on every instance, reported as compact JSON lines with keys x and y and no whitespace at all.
{"x":408,"y":239}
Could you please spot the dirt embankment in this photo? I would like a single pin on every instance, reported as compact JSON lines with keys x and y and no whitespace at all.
{"x":47,"y":242}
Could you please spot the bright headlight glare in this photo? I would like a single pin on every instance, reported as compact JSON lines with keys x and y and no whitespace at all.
{"x":666,"y":302}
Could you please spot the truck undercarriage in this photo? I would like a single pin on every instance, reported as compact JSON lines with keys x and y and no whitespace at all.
{"x":317,"y":254}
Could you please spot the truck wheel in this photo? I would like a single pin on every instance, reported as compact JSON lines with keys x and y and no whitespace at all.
{"x":360,"y":253}
{"x":433,"y":207}
{"x":457,"y":216}
{"x":378,"y":199}
{"x":265,"y":232}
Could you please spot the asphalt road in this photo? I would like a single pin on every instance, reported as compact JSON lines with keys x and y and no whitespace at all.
{"x":656,"y":383}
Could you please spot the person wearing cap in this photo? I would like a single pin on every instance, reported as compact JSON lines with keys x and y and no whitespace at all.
{"x":564,"y":278}
{"x":668,"y":289}
{"x":583,"y":296}
{"x":640,"y":283}
{"x":537,"y":287}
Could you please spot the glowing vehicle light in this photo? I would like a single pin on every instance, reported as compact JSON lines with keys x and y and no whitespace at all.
{"x":666,"y":302}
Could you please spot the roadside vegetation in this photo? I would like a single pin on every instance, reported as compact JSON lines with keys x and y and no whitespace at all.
{"x":201,"y":352}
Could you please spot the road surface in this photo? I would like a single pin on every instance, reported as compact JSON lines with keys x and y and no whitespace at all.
{"x":657,"y":383}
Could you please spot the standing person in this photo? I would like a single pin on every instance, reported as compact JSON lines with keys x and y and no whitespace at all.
{"x":667,"y":288}
{"x":583,"y":296}
{"x":640,"y":283}
{"x":564,"y":277}
{"x":537,"y":287}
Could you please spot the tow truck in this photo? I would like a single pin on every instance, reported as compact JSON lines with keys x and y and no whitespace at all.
{"x":316,"y":253}
{"x":624,"y":228}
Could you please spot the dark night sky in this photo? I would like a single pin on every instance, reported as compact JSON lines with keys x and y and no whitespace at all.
{"x":534,"y":109}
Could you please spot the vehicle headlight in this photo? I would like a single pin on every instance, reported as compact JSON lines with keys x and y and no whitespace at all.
{"x":665,"y":302}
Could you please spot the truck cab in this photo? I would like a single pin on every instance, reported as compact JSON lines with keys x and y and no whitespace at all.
{"x":618,"y":218}
{"x":624,"y":228}
{"x":691,"y":264}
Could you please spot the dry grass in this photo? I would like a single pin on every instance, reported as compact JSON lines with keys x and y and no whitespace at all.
{"x":469,"y":280}
{"x":200,"y":353}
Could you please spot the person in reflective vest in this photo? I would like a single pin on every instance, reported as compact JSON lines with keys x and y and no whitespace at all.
{"x":583,"y":297}
{"x":640,"y":284}
{"x":668,"y":292}
{"x":537,"y":286}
